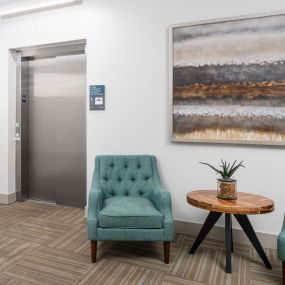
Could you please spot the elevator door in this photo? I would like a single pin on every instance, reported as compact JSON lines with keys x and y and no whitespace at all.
{"x":57,"y":130}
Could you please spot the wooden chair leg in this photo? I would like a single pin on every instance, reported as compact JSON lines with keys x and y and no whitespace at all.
{"x":166,"y":248}
{"x":93,"y":250}
{"x":283,"y":271}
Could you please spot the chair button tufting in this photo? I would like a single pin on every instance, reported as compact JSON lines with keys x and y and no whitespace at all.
{"x":133,"y":179}
{"x":119,"y":179}
{"x":146,"y":178}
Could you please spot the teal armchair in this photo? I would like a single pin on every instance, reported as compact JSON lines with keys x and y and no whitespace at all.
{"x":281,"y":249}
{"x":127,"y":202}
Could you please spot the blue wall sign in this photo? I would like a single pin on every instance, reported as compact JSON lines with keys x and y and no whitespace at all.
{"x":97,"y":97}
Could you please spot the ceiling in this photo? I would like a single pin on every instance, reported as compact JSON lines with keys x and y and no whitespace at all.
{"x":7,"y":2}
{"x":14,"y":8}
{"x":13,"y":3}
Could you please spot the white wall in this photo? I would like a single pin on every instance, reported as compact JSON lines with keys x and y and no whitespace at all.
{"x":127,"y":50}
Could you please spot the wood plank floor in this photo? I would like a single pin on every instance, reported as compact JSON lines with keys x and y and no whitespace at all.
{"x":44,"y":244}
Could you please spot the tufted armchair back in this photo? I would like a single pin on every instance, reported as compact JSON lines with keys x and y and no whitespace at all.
{"x":126,"y":175}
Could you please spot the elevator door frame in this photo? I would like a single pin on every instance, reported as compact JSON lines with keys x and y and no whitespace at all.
{"x":44,"y":51}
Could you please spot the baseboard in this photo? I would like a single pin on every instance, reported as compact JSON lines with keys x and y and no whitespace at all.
{"x":218,"y":233}
{"x":7,"y":198}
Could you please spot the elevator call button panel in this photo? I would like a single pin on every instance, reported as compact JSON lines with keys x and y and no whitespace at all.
{"x":97,"y":97}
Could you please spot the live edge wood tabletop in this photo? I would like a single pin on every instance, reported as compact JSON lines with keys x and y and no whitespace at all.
{"x":245,"y":204}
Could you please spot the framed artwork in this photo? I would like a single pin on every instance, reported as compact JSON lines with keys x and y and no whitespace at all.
{"x":227,"y":80}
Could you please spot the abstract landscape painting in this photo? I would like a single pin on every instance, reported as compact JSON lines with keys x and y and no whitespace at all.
{"x":229,"y":81}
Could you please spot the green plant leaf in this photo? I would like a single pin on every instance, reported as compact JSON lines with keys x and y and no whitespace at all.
{"x":234,"y":169}
{"x":232,"y":166}
{"x":227,"y":169}
{"x":214,"y":168}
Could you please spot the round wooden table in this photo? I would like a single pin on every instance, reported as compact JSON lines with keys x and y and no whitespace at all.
{"x":245,"y":204}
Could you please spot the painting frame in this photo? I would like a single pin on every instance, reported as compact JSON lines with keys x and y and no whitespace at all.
{"x":171,"y":77}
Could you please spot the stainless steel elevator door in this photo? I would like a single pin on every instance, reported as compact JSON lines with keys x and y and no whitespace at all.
{"x":57,"y":130}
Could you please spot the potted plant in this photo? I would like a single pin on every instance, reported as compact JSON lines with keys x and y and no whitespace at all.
{"x":226,"y":184}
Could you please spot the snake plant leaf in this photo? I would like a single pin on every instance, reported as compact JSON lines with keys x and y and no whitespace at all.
{"x":233,"y":165}
{"x":223,"y":166}
{"x":236,"y":168}
{"x":214,"y":168}
{"x":227,"y":169}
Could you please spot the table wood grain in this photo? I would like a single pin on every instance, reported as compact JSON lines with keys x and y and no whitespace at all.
{"x":245,"y":204}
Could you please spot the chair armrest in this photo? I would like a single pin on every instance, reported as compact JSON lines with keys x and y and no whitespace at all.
{"x":281,"y":243}
{"x":156,"y":198}
{"x":162,"y":201}
{"x":95,"y":202}
{"x":166,"y":207}
{"x":168,"y":224}
{"x":282,"y":233}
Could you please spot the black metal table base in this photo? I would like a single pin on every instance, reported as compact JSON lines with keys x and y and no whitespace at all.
{"x":247,"y":228}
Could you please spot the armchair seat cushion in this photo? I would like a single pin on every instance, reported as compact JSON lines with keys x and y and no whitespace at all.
{"x":129,"y":212}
